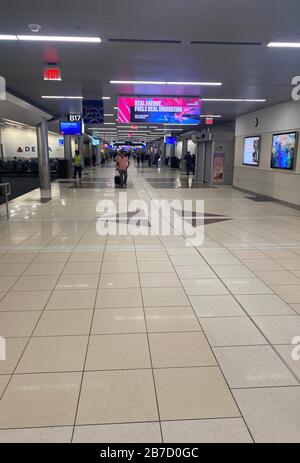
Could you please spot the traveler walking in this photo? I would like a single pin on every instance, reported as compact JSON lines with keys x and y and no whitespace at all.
{"x":122,"y":166}
{"x":77,"y":164}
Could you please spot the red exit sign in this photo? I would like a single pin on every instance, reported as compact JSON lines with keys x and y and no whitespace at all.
{"x":209,"y":121}
{"x":52,"y":72}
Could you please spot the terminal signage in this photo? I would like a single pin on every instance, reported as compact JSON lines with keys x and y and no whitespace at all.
{"x":159,"y":110}
{"x":92,"y":111}
{"x":74,"y":117}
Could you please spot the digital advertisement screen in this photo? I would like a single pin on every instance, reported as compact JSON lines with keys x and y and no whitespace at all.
{"x":70,"y":128}
{"x":251,"y":151}
{"x":170,"y":140}
{"x":156,"y":110}
{"x":284,"y":150}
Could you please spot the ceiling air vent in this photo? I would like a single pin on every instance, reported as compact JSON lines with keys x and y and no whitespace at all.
{"x":206,"y":42}
{"x":143,"y":41}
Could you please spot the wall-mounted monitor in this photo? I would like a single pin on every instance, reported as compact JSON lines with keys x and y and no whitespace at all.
{"x":159,"y":110}
{"x":70,"y":128}
{"x":170,"y":140}
{"x":251,"y":151}
{"x":284,"y":146}
{"x":95,"y":142}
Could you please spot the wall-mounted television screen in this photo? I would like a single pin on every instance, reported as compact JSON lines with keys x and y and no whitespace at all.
{"x":170,"y":140}
{"x":159,"y":110}
{"x":284,"y":147}
{"x":95,"y":142}
{"x":251,"y":151}
{"x":70,"y":128}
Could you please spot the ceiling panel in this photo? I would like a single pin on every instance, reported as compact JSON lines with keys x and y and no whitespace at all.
{"x":246,"y":71}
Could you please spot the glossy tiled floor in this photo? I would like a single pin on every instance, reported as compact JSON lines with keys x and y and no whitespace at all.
{"x":143,"y":339}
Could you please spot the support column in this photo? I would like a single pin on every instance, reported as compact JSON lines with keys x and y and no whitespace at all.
{"x":163,"y":154}
{"x":184,"y":151}
{"x":1,"y":146}
{"x":81,"y":149}
{"x":200,"y":162}
{"x":68,"y":153}
{"x":43,"y":156}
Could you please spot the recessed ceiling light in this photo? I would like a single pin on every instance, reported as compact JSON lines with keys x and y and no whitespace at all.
{"x":57,"y":38}
{"x":284,"y":44}
{"x":35,"y":27}
{"x":234,"y":100}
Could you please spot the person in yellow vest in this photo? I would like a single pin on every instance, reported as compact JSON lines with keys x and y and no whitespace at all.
{"x":77,"y":164}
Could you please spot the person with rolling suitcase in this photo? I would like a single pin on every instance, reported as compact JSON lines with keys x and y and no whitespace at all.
{"x":122,"y":166}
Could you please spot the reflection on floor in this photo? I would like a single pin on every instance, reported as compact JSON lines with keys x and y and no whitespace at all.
{"x":142,"y":338}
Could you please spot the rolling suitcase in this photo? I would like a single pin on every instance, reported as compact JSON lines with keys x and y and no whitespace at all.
{"x":117,"y":179}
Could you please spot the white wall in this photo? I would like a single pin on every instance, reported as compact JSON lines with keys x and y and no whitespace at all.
{"x":278,"y":184}
{"x":191,"y":147}
{"x":179,"y":146}
{"x":14,"y":140}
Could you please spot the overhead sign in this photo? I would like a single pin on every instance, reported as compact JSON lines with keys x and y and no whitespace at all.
{"x":92,"y":111}
{"x":159,"y":110}
{"x":74,"y":117}
{"x":52,"y":72}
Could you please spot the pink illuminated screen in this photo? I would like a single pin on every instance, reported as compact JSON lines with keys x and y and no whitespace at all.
{"x":159,"y":110}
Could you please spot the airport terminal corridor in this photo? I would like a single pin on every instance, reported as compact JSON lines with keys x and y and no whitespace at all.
{"x":149,"y":228}
{"x":142,"y":338}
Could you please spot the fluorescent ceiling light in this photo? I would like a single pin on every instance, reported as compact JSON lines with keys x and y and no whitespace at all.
{"x":137,"y":82}
{"x":202,"y":84}
{"x":130,"y":127}
{"x":13,"y":122}
{"x":214,"y":116}
{"x":57,"y":38}
{"x":59,"y":97}
{"x":109,"y":123}
{"x":284,"y":44}
{"x":8,"y":37}
{"x":234,"y":100}
{"x":106,"y":98}
{"x":108,"y":115}
{"x":149,"y":82}
{"x":172,"y":125}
